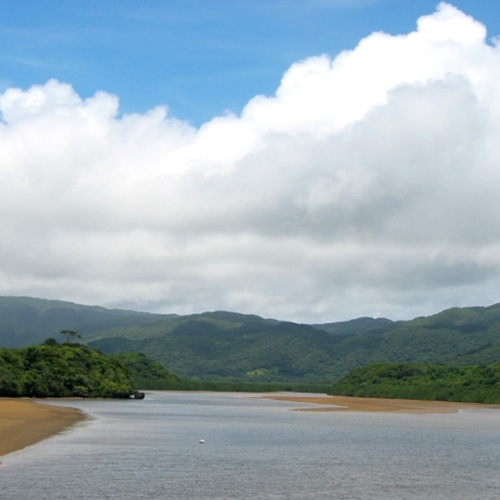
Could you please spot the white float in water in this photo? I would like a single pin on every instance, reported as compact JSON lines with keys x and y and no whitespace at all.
{"x":202,"y":441}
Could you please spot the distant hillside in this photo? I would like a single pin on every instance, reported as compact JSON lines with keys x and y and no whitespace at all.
{"x":356,"y":326}
{"x":266,"y":351}
{"x":230,"y":346}
{"x":258,"y":352}
{"x":25,"y":320}
{"x":149,"y":374}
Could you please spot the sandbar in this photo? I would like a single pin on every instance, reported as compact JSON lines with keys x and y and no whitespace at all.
{"x":25,"y":422}
{"x":346,"y":403}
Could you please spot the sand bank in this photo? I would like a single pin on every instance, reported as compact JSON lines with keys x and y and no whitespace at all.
{"x":24,"y":422}
{"x":345,"y":403}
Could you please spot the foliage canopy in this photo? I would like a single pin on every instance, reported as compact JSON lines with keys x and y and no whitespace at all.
{"x":66,"y":370}
{"x":477,"y":384}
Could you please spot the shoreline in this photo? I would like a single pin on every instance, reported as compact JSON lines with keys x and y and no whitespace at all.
{"x":349,"y":403}
{"x":24,"y":422}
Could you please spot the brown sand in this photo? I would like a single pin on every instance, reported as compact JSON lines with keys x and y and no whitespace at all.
{"x":24,"y":422}
{"x":345,"y":403}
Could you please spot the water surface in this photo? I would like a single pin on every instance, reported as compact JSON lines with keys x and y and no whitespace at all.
{"x":257,"y":449}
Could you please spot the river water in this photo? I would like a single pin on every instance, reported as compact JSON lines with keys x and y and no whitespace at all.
{"x":257,"y":449}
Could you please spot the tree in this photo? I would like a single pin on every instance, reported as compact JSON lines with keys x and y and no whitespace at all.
{"x":70,"y":335}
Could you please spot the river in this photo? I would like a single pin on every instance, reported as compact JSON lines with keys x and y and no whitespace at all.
{"x":257,"y":449}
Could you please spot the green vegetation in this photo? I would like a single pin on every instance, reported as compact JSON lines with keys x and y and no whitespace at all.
{"x":149,"y":374}
{"x":355,"y":326}
{"x":236,"y":348}
{"x":70,"y":335}
{"x":478,"y":384}
{"x":264,"y":352}
{"x":75,"y":370}
{"x":25,"y":321}
{"x":256,"y":353}
{"x":62,"y":370}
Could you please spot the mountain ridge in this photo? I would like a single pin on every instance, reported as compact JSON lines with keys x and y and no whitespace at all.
{"x":227,"y":345}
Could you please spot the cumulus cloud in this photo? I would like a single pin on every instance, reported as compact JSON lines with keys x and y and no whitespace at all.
{"x":367,"y":185}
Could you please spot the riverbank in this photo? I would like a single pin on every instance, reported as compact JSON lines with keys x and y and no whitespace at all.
{"x":345,"y":403}
{"x":25,"y":422}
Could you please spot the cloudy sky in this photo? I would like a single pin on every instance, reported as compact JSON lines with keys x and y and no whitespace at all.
{"x":310,"y":161}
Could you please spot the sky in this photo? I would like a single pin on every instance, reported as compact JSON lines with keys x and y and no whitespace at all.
{"x":307,"y":161}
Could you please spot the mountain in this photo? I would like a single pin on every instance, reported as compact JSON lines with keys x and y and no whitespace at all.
{"x":25,"y":320}
{"x":260,"y":350}
{"x":224,"y":345}
{"x":356,"y":326}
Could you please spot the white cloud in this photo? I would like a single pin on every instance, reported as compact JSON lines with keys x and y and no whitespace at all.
{"x":367,"y":185}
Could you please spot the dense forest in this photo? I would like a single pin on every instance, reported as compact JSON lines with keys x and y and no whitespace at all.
{"x":75,"y":370}
{"x":240,"y":348}
{"x":213,"y":348}
{"x":62,"y":370}
{"x":149,"y":374}
{"x":478,"y":384}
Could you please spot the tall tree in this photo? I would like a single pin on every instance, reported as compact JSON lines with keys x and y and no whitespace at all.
{"x":70,"y":335}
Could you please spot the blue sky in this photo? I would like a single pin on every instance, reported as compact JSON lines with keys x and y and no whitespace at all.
{"x":199,"y":57}
{"x":308,"y":161}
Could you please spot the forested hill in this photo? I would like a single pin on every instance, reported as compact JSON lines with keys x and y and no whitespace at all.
{"x":255,"y":350}
{"x":67,"y":370}
{"x":287,"y":351}
{"x":224,"y":345}
{"x":25,"y":320}
{"x":475,"y":384}
{"x":355,"y":326}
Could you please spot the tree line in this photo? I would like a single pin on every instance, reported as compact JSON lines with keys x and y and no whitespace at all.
{"x":433,"y":382}
{"x":62,"y":370}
